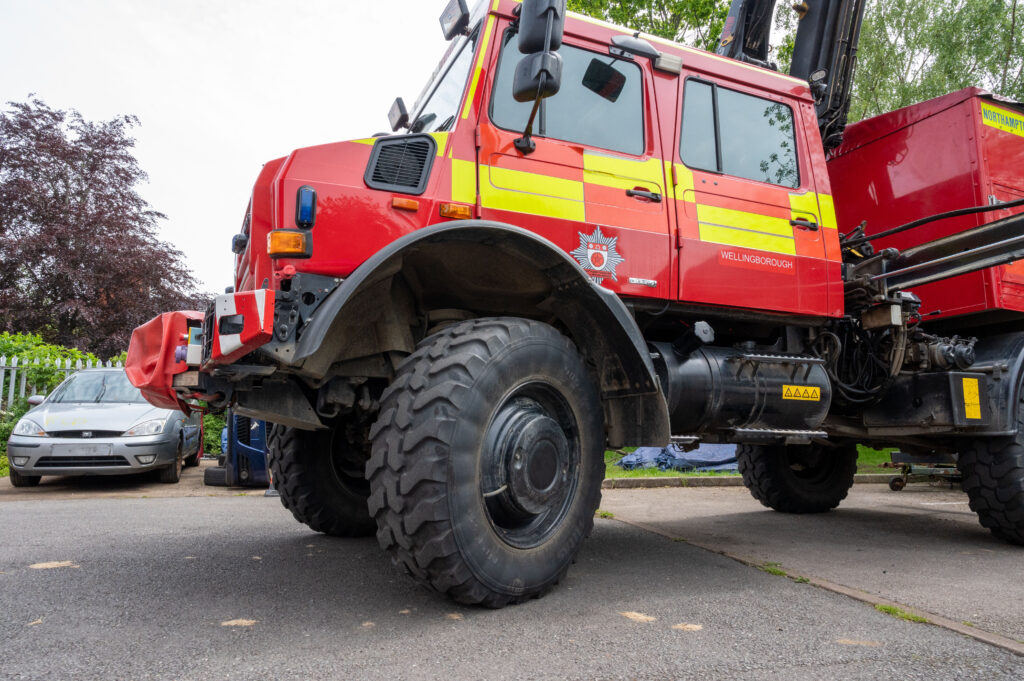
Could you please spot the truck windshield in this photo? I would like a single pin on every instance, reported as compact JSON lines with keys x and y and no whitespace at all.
{"x":437,"y":107}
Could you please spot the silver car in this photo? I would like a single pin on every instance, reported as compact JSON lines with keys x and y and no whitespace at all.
{"x":97,"y":423}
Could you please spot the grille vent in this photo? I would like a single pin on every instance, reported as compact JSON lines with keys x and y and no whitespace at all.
{"x":81,"y":461}
{"x":401,"y":164}
{"x":242,"y":432}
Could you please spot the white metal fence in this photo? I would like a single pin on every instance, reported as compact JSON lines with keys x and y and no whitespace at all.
{"x":17,"y":375}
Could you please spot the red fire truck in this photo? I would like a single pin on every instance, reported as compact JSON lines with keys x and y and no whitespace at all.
{"x":586,"y":238}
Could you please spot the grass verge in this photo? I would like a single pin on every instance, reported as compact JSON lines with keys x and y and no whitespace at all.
{"x":868,"y":461}
{"x":902,"y":614}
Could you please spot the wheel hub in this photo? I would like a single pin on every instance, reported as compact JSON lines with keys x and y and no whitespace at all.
{"x":530,"y":456}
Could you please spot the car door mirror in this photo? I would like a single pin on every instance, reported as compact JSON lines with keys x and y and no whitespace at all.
{"x":36,"y":400}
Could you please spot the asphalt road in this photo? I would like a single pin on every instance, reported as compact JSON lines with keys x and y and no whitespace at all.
{"x":233,"y":587}
{"x":922,"y":547}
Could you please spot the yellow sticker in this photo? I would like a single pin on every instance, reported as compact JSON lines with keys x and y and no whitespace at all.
{"x":1003,"y":119}
{"x":972,"y":400}
{"x":806,"y":393}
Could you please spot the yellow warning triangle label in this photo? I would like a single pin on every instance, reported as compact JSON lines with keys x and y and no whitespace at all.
{"x":789,"y":392}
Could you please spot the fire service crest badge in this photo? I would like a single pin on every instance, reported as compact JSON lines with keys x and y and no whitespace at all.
{"x":598,"y":255}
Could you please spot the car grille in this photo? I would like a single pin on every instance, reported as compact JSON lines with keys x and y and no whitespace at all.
{"x":79,"y":434}
{"x":242,"y":429}
{"x":401,"y":163}
{"x":81,"y":461}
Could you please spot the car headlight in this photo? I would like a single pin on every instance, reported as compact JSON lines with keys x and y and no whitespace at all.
{"x":29,"y":428}
{"x":145,"y":428}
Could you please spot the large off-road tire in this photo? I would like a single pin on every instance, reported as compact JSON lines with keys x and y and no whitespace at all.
{"x":487,"y":460}
{"x":19,"y":480}
{"x":993,"y":470}
{"x":797,"y":479}
{"x":319,"y":475}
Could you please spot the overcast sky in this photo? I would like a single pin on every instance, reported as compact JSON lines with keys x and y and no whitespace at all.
{"x":220,"y":87}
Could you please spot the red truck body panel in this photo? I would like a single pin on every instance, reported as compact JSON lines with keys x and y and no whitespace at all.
{"x":575,"y":195}
{"x":960,"y":150}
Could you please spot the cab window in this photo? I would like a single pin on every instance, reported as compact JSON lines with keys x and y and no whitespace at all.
{"x":600,"y":103}
{"x":734,"y":133}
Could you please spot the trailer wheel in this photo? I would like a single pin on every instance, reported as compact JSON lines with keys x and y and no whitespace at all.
{"x":320,"y":479}
{"x":487,"y":461}
{"x":797,"y":479}
{"x":993,"y":470}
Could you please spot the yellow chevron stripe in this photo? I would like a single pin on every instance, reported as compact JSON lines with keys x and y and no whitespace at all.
{"x":727,"y":236}
{"x":463,"y":181}
{"x":828,"y":211}
{"x":737,"y":219}
{"x":622,"y":173}
{"x":479,"y":65}
{"x":521,"y":192}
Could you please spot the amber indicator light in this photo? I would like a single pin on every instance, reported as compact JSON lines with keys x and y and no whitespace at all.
{"x":283,"y":242}
{"x":456,"y":211}
{"x":405,"y":204}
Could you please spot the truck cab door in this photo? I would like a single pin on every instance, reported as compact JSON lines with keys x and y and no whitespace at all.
{"x":750,"y":229}
{"x":595,"y":184}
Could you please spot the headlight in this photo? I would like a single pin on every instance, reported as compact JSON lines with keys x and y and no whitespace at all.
{"x":145,"y":428}
{"x":29,"y":428}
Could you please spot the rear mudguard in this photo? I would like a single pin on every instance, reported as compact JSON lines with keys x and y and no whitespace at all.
{"x":498,"y":269}
{"x":1002,"y":359}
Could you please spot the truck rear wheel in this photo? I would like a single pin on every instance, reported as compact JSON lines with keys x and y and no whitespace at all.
{"x":797,"y":479}
{"x":320,"y":479}
{"x":993,"y":470}
{"x":487,"y":461}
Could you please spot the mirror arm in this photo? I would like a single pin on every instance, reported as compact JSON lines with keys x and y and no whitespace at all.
{"x":525,"y":144}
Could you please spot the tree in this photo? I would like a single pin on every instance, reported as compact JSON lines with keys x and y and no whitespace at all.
{"x":909,"y":51}
{"x":694,"y":22}
{"x":912,"y":50}
{"x":80,"y":261}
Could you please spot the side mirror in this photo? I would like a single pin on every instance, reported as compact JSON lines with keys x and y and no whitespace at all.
{"x":36,"y":400}
{"x":529,"y":84}
{"x":398,"y":117}
{"x":541,"y":25}
{"x":533,"y":25}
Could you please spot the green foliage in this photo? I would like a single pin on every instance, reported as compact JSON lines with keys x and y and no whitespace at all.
{"x":8,"y":419}
{"x":31,"y":347}
{"x":692,"y":22}
{"x":901,"y":614}
{"x":212,"y":425}
{"x":913,"y":50}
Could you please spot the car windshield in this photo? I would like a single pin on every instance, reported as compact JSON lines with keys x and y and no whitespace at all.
{"x":437,"y":107}
{"x":101,"y":386}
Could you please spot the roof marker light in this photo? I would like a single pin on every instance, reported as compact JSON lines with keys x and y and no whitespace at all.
{"x":305,"y":207}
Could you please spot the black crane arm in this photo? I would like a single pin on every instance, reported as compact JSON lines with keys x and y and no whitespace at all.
{"x":745,"y":35}
{"x":824,"y":54}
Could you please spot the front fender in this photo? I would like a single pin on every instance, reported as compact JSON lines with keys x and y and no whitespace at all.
{"x":491,"y":269}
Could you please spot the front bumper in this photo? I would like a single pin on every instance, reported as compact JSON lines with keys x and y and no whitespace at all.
{"x":99,"y":456}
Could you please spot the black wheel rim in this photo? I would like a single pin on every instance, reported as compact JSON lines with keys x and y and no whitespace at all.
{"x":811,"y":465}
{"x":348,"y":463}
{"x":530,"y":464}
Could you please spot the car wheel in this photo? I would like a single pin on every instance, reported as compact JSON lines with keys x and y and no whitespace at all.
{"x":19,"y":480}
{"x":172,"y":473}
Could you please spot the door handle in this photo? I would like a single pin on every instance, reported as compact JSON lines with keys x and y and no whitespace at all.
{"x":643,"y":193}
{"x":805,"y":224}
